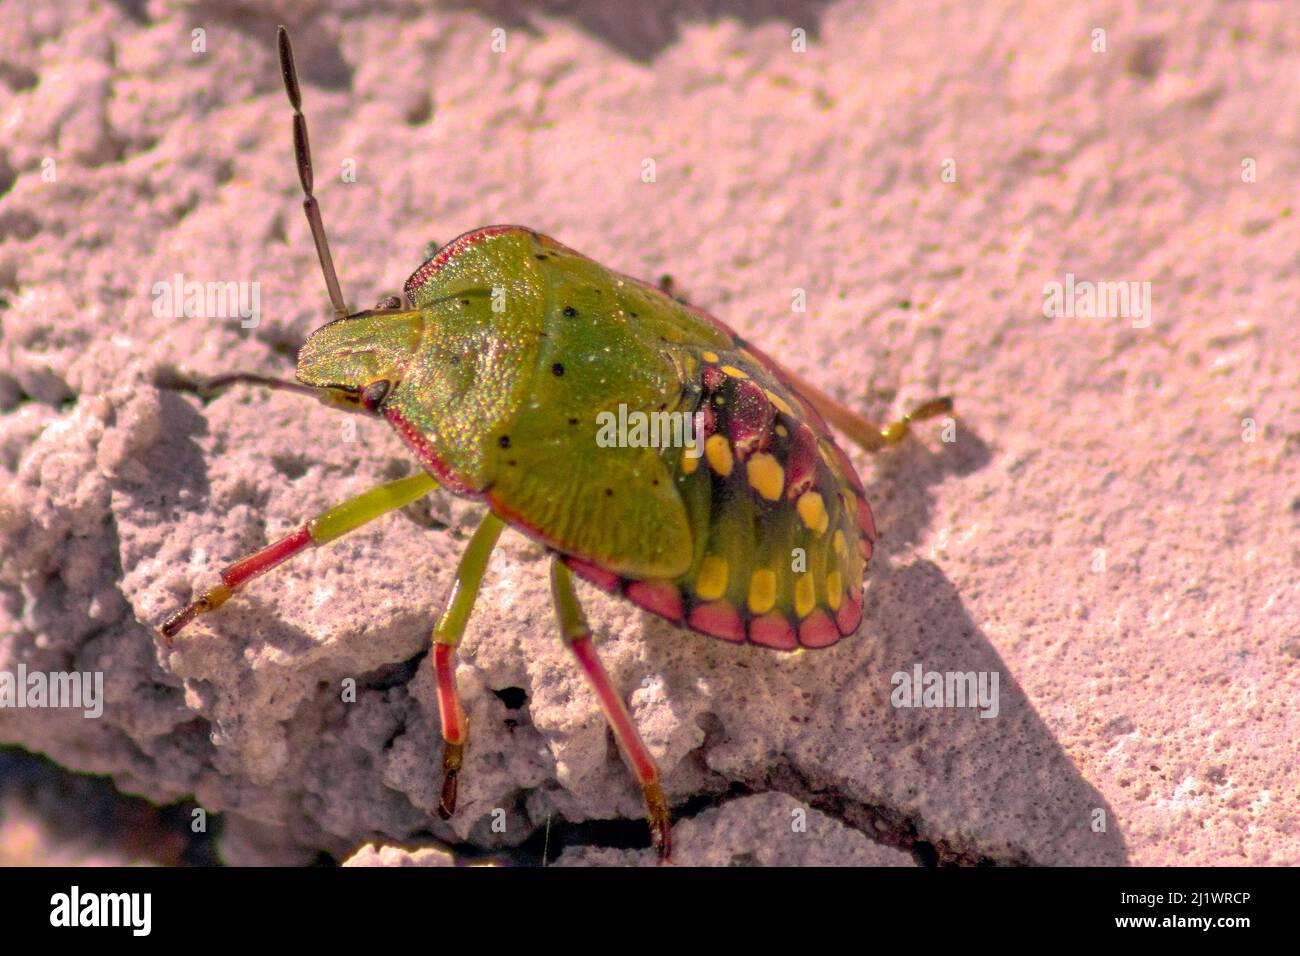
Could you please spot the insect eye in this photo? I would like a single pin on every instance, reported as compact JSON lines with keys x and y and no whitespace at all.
{"x":374,"y":394}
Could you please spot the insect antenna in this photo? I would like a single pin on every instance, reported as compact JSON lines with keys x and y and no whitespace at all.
{"x":222,"y":382}
{"x":302,"y":153}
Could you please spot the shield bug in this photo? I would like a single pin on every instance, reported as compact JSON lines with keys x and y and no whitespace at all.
{"x":499,"y":367}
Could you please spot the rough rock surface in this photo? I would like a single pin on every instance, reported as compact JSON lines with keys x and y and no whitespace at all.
{"x":767,"y":829}
{"x":372,"y":854}
{"x":1113,"y":530}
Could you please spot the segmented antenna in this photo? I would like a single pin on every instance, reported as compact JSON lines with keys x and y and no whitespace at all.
{"x":214,"y":385}
{"x":302,"y":152}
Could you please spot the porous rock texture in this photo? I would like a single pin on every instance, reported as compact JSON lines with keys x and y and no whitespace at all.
{"x":373,"y":854}
{"x":1112,"y":529}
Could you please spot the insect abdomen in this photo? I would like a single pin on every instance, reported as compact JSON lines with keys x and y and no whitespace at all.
{"x":780,"y":529}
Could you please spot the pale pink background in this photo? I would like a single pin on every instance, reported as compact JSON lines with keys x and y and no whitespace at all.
{"x":1161,"y":691}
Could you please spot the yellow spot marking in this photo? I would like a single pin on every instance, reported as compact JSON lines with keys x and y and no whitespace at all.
{"x":718,"y":452}
{"x":766,"y":476}
{"x":780,"y":430}
{"x":689,"y":463}
{"x":709,"y":356}
{"x":813,"y":511}
{"x":734,"y":372}
{"x":840,"y":548}
{"x":762,"y":591}
{"x":781,"y":404}
{"x":834,"y":590}
{"x":805,"y":596}
{"x":711,"y":582}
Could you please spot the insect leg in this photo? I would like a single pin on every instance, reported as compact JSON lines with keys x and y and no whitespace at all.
{"x":866,"y":434}
{"x":895,"y":432}
{"x":446,"y":635}
{"x":324,"y":527}
{"x":577,"y":635}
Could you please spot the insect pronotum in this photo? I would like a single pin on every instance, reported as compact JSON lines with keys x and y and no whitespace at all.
{"x":503,"y":405}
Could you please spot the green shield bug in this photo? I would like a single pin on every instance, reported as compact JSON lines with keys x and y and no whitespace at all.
{"x":504,"y":369}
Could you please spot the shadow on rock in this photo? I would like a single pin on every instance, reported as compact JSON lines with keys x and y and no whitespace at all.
{"x":955,"y":777}
{"x":985,"y":777}
{"x":900,"y":490}
{"x":643,"y":31}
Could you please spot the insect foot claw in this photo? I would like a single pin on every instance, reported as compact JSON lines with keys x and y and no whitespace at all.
{"x":657,"y":817}
{"x":451,"y":755}
{"x":172,"y":626}
{"x":212,"y":599}
{"x":931,"y":409}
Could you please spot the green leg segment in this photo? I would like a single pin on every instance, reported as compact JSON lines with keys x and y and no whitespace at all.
{"x":323,"y":528}
{"x":451,"y":627}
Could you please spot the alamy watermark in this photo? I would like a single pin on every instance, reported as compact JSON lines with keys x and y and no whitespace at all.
{"x":1098,"y":300}
{"x":208,"y":300}
{"x":75,"y":690}
{"x":133,"y":911}
{"x":923,"y":688}
{"x":638,"y":429}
